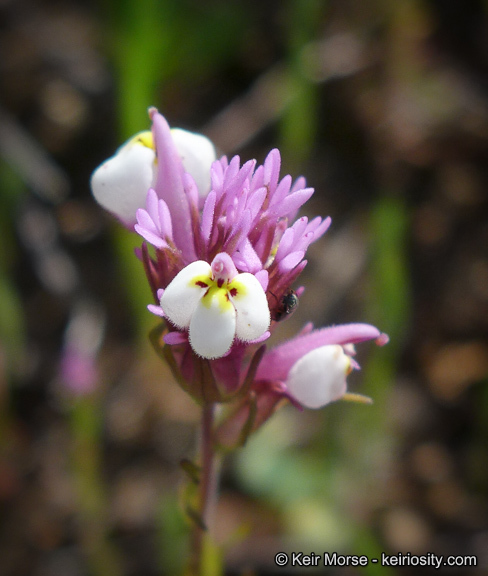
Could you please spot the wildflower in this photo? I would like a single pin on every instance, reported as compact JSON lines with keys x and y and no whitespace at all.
{"x":226,"y":247}
{"x":216,"y":296}
{"x":121,"y":183}
{"x":319,"y":377}
{"x":309,"y":371}
{"x":312,"y":367}
{"x":222,"y":246}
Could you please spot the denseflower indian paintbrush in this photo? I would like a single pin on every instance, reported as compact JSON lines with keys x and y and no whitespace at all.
{"x":222,"y":246}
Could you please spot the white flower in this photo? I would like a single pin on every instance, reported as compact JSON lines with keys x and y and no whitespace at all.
{"x":319,"y":377}
{"x":121,"y":183}
{"x":217,"y":305}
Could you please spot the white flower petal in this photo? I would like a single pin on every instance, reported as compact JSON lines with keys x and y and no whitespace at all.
{"x":197,"y":154}
{"x":180,"y":299}
{"x":121,"y":183}
{"x":319,"y":377}
{"x":253,"y":317}
{"x":212,"y":328}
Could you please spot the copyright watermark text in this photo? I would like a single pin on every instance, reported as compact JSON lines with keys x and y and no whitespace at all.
{"x":431,"y":560}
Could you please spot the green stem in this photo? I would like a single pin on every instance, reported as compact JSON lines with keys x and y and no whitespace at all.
{"x":207,"y":492}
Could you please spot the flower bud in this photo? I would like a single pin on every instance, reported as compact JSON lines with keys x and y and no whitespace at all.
{"x":319,"y":377}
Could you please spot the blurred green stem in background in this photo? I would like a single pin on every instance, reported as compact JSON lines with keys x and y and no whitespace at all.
{"x":389,"y":307}
{"x":86,"y":459}
{"x":389,"y":295}
{"x":140,"y":49}
{"x":12,"y":328}
{"x":12,"y":323}
{"x":299,"y":121}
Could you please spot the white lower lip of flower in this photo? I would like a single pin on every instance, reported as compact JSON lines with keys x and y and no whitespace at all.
{"x":212,"y":330}
{"x":121,"y":183}
{"x":319,"y":377}
{"x":216,"y":313}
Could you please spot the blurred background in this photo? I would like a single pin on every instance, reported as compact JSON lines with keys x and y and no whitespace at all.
{"x":383,"y":106}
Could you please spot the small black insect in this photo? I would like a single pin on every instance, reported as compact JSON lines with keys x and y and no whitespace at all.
{"x":286,"y":307}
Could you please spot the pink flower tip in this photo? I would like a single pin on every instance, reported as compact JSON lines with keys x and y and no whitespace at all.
{"x":223,"y":267}
{"x":382,"y":339}
{"x":157,"y":310}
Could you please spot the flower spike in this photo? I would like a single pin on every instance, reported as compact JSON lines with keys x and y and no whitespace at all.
{"x":225,"y":248}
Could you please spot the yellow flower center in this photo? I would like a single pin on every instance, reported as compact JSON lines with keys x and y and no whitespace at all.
{"x":145,"y":138}
{"x":218,"y":291}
